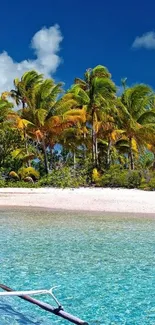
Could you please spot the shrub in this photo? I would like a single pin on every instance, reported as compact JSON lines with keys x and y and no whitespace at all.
{"x":64,"y":177}
{"x":151,"y":184}
{"x":105,"y":180}
{"x":116,"y":177}
{"x":19,"y":184}
{"x":14,"y":175}
{"x":95,"y":176}
{"x":2,"y":183}
{"x":134,"y":179}
{"x":120,"y":179}
{"x":28,"y":172}
{"x":144,"y":187}
{"x":28,"y":179}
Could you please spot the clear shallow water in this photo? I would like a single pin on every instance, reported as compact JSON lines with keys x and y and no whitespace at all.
{"x":104,"y":264}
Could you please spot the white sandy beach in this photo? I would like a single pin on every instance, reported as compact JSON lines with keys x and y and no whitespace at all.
{"x":84,"y":199}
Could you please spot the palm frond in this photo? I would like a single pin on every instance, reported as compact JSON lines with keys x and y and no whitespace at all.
{"x":101,"y":72}
{"x":147,"y":117}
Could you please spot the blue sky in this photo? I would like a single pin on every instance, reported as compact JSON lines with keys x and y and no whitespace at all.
{"x":89,"y":33}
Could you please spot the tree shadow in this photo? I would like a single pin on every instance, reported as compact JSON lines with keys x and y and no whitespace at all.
{"x":22,"y":319}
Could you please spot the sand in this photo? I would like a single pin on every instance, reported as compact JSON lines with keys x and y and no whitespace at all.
{"x":83,"y":199}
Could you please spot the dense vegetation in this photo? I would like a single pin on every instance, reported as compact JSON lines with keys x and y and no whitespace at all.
{"x":86,"y":135}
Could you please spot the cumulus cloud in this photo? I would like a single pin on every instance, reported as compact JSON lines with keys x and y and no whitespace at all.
{"x":46,"y":45}
{"x":147,"y":41}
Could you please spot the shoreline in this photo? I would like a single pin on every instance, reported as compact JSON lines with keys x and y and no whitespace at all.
{"x":86,"y":200}
{"x":77,"y":213}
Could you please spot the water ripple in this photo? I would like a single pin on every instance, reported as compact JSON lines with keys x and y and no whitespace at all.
{"x":105,"y":266}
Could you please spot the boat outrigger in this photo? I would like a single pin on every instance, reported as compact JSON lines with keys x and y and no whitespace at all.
{"x":26,"y":295}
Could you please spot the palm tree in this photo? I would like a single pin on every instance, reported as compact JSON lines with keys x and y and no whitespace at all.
{"x":96,"y":92}
{"x":21,"y":124}
{"x":21,"y":95}
{"x":5,"y":109}
{"x":23,"y":86}
{"x":137,"y":117}
{"x":108,"y":135}
{"x":47,"y":115}
{"x":72,"y":138}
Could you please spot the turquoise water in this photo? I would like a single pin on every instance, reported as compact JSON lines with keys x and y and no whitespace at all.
{"x":104,"y":264}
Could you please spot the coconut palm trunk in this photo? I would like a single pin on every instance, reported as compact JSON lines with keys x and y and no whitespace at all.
{"x":94,"y":144}
{"x":74,"y":160}
{"x":51,"y":158}
{"x":154,"y":161}
{"x":45,"y":157}
{"x":95,"y":92}
{"x":96,"y":150}
{"x":26,"y":147}
{"x":131,"y":156}
{"x":108,"y":154}
{"x":93,"y":148}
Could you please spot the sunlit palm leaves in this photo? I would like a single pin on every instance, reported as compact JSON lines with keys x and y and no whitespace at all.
{"x":137,"y":113}
{"x":97,"y":93}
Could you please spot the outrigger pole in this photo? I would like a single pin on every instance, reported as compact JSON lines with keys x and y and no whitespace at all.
{"x":58,"y":311}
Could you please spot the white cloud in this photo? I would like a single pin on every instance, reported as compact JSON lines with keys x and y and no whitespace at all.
{"x":147,"y":41}
{"x":46,"y":45}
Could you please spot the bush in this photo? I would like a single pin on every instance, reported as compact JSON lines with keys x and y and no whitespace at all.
{"x":25,"y":172}
{"x":134,"y":179}
{"x":151,"y":184}
{"x":116,"y":177}
{"x":144,"y":187}
{"x":64,"y":177}
{"x":3,"y":183}
{"x":14,"y":175}
{"x":115,"y":180}
{"x":19,"y":184}
{"x":95,"y":176}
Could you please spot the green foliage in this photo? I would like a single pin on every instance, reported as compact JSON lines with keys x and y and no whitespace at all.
{"x":101,"y":135}
{"x":21,"y":155}
{"x":4,"y":184}
{"x":9,"y":139}
{"x":64,"y":177}
{"x":28,"y":172}
{"x":14,"y":175}
{"x":116,"y":177}
{"x":144,"y":186}
{"x":145,"y":161}
{"x":114,"y":180}
{"x":151,"y":184}
{"x":5,"y":108}
{"x":95,"y":176}
{"x":134,"y":178}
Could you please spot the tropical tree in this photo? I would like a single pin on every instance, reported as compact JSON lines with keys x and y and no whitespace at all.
{"x":9,"y":139}
{"x":73,"y":139}
{"x":22,"y":87}
{"x":137,"y":117}
{"x":47,"y":115}
{"x":5,"y":109}
{"x":21,"y":96}
{"x":96,"y":92}
{"x":90,"y":121}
